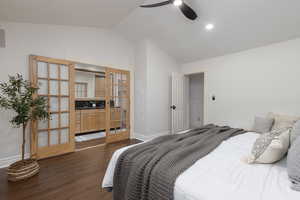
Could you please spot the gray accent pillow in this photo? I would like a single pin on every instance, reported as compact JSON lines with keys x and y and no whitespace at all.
{"x":295,"y":133}
{"x":262,"y":124}
{"x":293,"y":165}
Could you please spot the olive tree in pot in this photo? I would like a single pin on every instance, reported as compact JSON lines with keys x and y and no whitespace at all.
{"x":17,"y":95}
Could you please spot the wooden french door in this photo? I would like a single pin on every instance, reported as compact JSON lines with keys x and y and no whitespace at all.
{"x":55,"y":79}
{"x":117,"y":105}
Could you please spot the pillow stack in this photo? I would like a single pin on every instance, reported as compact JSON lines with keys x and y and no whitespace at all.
{"x":277,"y":133}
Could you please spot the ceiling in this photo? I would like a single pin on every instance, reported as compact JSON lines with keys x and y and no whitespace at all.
{"x":239,"y":25}
{"x":96,"y":13}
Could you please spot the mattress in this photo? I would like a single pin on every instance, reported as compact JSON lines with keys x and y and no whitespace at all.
{"x":223,"y":175}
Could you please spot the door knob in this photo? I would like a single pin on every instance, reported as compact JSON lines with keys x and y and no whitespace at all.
{"x":173,"y":107}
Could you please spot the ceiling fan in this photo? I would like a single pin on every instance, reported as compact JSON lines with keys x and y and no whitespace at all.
{"x":185,"y":9}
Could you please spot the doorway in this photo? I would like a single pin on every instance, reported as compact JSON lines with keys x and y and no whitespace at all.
{"x":89,"y":106}
{"x":96,"y":104}
{"x":187,"y":101}
{"x":196,"y":100}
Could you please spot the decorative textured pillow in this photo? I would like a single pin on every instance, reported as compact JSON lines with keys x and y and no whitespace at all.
{"x":283,"y":121}
{"x":295,"y":132}
{"x":262,"y":124}
{"x":270,"y":147}
{"x":293,"y":165}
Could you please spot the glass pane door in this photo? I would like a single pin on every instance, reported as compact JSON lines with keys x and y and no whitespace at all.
{"x":118,"y":109}
{"x":56,"y":135}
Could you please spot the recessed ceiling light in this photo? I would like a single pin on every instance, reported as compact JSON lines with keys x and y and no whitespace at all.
{"x":209,"y":27}
{"x":177,"y":2}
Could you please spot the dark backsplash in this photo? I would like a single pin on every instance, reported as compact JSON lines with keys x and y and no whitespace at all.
{"x":89,"y":104}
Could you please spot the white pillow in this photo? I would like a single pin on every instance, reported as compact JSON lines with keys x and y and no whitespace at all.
{"x":270,"y":147}
{"x":282,"y":121}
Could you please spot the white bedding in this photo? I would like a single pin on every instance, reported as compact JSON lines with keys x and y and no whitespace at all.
{"x":222,"y":175}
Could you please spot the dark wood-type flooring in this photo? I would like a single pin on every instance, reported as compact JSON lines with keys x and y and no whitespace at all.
{"x":75,"y":176}
{"x":90,"y":143}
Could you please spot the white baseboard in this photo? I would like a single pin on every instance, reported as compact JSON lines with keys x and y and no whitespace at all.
{"x":5,"y":162}
{"x":144,"y":137}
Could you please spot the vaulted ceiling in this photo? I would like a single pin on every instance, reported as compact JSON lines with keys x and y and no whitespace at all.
{"x":97,"y":13}
{"x":239,"y":24}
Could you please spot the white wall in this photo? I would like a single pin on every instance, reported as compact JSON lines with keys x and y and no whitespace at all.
{"x":154,"y":69}
{"x":196,"y":97}
{"x":87,"y":45}
{"x":140,"y":89}
{"x":251,"y":83}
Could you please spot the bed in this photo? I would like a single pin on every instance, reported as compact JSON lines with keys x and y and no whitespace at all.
{"x":223,"y":175}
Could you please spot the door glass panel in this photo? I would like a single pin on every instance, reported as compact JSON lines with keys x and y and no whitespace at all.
{"x":64,"y":87}
{"x":64,"y":72}
{"x":53,"y":71}
{"x":43,"y":124}
{"x":64,"y":104}
{"x":54,"y":121}
{"x":54,"y":135}
{"x":123,"y":91}
{"x":42,"y":139}
{"x":43,"y":87}
{"x":124,"y":115}
{"x":42,"y":69}
{"x":53,"y":104}
{"x":124,"y":77}
{"x":64,"y":138}
{"x":54,"y":87}
{"x":119,"y":103}
{"x":64,"y":120}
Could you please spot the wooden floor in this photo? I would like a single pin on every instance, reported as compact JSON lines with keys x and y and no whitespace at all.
{"x":90,"y":143}
{"x":75,"y":176}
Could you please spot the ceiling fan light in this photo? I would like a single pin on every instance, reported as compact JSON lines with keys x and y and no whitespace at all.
{"x":177,"y":2}
{"x":209,"y":27}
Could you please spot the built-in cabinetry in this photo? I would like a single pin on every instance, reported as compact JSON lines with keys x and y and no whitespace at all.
{"x":91,"y":120}
{"x":99,"y":86}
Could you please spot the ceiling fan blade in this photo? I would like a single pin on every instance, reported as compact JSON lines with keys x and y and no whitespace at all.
{"x":188,"y":11}
{"x":156,"y":4}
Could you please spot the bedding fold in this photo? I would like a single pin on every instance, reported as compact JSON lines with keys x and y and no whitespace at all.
{"x":148,"y":171}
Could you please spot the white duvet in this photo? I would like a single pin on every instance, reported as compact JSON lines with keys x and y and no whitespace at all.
{"x":221,"y":175}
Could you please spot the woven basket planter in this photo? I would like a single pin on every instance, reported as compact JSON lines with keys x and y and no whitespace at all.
{"x":22,"y":170}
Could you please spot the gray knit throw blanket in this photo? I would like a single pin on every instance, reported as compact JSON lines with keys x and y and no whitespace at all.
{"x":148,"y":171}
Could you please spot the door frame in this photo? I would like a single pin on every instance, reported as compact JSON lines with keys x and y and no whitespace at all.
{"x":33,"y":127}
{"x":204,"y":96}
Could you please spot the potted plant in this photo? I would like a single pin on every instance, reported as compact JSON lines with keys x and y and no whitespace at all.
{"x":17,"y":95}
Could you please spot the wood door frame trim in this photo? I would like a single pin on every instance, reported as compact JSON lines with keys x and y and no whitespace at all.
{"x":44,"y":58}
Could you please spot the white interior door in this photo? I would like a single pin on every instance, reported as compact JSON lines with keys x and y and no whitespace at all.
{"x":179,"y":103}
